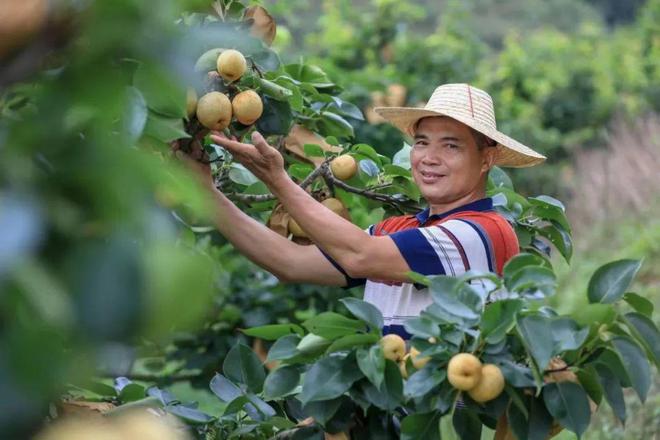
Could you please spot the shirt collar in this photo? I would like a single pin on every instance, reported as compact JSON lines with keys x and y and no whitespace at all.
{"x":485,"y":204}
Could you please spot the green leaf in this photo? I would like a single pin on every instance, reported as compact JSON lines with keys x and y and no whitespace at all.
{"x":281,"y":382}
{"x":536,"y":332}
{"x":369,"y":167}
{"x":613,"y":391}
{"x":402,"y":157}
{"x":535,"y":281}
{"x":549,"y":209}
{"x":364,"y":311}
{"x":241,"y":175}
{"x":467,"y":424}
{"x":322,"y":411}
{"x":313,"y":150}
{"x":162,"y":92}
{"x":610,"y":282}
{"x":560,"y":238}
{"x":351,"y":341}
{"x":273,"y":90}
{"x":372,"y":364}
{"x":443,"y":291}
{"x":190,"y":415}
{"x":593,"y":314}
{"x":568,"y":403}
{"x":243,"y":366}
{"x":521,"y":261}
{"x":424,"y":380}
{"x":588,"y":378}
{"x":498,"y":178}
{"x":567,"y":335}
{"x":395,"y":170}
{"x":313,"y":345}
{"x":300,"y":170}
{"x":135,"y":115}
{"x":332,"y":325}
{"x":331,"y":124}
{"x":639,"y":303}
{"x":284,"y":348}
{"x":164,"y":129}
{"x":208,"y":60}
{"x":635,"y":363}
{"x":329,"y":378}
{"x":346,"y":108}
{"x":540,"y":421}
{"x":390,"y":393}
{"x":225,"y":389}
{"x":422,"y":326}
{"x":498,"y":318}
{"x":273,"y":331}
{"x":516,"y":375}
{"x":421,"y":427}
{"x":276,"y":118}
{"x":131,"y":393}
{"x":645,"y":332}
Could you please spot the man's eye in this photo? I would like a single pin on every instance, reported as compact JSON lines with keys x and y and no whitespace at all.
{"x":452,"y":146}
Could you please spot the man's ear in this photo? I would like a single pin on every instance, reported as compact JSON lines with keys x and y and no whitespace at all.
{"x":488,"y":156}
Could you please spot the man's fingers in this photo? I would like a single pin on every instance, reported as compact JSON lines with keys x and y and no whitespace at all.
{"x":259,"y":142}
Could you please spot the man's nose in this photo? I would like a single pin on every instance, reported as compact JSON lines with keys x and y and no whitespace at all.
{"x":432,"y":157}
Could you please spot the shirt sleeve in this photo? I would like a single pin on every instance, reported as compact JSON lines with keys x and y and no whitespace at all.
{"x":451,"y":248}
{"x":350,"y":282}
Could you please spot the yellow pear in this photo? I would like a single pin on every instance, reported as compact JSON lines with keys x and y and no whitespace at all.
{"x":214,"y":111}
{"x":231,"y":65}
{"x":402,"y":366}
{"x":79,"y":429}
{"x":490,"y":385}
{"x":418,"y":362}
{"x":247,"y":107}
{"x":394,"y":347}
{"x":464,"y":371}
{"x":144,"y":425}
{"x":295,"y":229}
{"x":344,"y":167}
{"x":334,"y":205}
{"x":191,"y":102}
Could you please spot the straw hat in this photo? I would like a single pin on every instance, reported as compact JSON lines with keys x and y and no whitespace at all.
{"x":474,"y":108}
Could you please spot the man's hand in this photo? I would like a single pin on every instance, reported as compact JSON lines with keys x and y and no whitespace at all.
{"x":264,"y":161}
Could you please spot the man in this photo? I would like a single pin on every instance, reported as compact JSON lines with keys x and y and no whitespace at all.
{"x":455,"y":145}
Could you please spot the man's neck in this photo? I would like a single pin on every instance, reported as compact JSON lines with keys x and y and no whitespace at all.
{"x":439,"y":208}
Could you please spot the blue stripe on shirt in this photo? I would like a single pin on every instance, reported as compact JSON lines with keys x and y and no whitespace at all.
{"x":484,"y":239}
{"x":418,"y":252}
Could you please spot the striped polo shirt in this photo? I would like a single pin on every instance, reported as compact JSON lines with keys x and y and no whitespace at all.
{"x":470,"y":237}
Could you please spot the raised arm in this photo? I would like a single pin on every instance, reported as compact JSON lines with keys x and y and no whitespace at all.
{"x":361,"y":255}
{"x":288,"y":261}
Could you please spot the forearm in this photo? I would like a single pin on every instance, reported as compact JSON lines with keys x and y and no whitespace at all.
{"x":253,"y":239}
{"x":342,"y":240}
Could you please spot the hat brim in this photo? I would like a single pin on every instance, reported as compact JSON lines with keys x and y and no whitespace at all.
{"x":510,"y":152}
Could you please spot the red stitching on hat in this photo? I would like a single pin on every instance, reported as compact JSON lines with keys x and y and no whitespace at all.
{"x":470,"y":96}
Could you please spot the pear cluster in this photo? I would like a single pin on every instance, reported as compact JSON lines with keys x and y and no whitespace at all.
{"x":482,"y":382}
{"x":394,"y":349}
{"x":215,"y":110}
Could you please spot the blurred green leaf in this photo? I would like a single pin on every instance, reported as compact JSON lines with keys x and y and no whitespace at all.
{"x":273,"y":331}
{"x":243,"y":366}
{"x":281,"y":382}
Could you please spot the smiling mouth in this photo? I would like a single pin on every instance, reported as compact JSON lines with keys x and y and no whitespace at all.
{"x":429,"y":177}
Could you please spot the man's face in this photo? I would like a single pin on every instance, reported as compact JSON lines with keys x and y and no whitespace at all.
{"x":446,"y":163}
